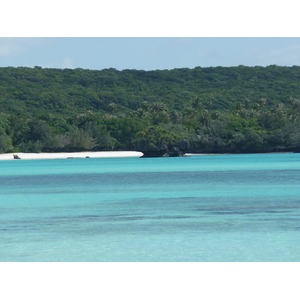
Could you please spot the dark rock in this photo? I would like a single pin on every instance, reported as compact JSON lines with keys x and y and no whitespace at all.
{"x":153,"y":153}
{"x":163,"y":150}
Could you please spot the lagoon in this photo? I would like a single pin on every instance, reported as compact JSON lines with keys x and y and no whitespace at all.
{"x":202,"y":208}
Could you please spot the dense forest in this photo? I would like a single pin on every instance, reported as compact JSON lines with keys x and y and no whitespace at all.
{"x":163,"y":112}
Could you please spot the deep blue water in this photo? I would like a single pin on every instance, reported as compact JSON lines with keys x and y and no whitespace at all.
{"x":198,"y":208}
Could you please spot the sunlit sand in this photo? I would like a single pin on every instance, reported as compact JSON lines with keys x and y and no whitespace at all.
{"x":66,"y":155}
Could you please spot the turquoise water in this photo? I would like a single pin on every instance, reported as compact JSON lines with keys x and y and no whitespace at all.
{"x":197,"y":208}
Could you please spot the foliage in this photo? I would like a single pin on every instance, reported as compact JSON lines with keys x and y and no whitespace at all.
{"x":163,"y":137}
{"x":220,"y":109}
{"x":5,"y":143}
{"x":81,"y":139}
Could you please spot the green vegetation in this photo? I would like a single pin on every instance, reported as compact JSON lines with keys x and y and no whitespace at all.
{"x":217,"y":109}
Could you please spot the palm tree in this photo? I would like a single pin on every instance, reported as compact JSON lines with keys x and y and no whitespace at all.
{"x":190,"y":112}
{"x":295,"y":109}
{"x":204,"y":117}
{"x":215,"y":115}
{"x":197,"y":104}
{"x":176,"y":117}
{"x":112,"y":107}
{"x":159,"y":113}
{"x":262,"y":102}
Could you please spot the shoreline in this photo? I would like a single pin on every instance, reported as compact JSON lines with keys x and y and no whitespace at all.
{"x":193,"y":154}
{"x":97,"y":154}
{"x":69,"y":155}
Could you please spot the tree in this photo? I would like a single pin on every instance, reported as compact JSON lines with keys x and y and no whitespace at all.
{"x":102,"y":138}
{"x":237,"y":142}
{"x":39,"y":130}
{"x":273,"y":119}
{"x":124,"y":130}
{"x":4,"y":123}
{"x":213,"y":136}
{"x":41,"y":109}
{"x":295,"y":110}
{"x":162,"y":140}
{"x":54,"y":142}
{"x":253,"y":141}
{"x":197,"y":104}
{"x":81,"y":140}
{"x":5,"y":143}
{"x":159,"y":113}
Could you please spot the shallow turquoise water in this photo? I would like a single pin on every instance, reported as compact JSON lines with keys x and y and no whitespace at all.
{"x":197,"y":208}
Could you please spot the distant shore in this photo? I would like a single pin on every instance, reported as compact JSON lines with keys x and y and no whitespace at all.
{"x":193,"y":154}
{"x":69,"y":155}
{"x":97,"y":154}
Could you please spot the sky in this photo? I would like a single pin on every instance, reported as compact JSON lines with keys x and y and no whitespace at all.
{"x":145,"y":35}
{"x":147,"y":53}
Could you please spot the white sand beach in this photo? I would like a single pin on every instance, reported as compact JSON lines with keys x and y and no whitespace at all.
{"x":66,"y":155}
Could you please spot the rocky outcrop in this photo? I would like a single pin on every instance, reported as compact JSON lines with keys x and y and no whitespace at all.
{"x":164,"y":150}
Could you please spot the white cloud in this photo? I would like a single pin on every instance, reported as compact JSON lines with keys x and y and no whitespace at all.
{"x":287,"y":56}
{"x":68,"y":63}
{"x":209,"y":54}
{"x":15,"y":46}
{"x":10,"y":47}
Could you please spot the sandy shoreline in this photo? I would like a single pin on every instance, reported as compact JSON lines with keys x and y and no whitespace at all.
{"x":95,"y":154}
{"x":65,"y":155}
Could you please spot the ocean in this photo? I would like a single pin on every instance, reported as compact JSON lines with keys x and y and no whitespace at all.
{"x":201,"y":208}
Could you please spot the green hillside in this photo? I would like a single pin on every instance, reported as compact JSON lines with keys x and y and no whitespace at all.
{"x":217,"y":109}
{"x":65,"y":91}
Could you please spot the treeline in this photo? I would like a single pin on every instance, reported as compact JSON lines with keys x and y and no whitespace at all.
{"x":229,"y":110}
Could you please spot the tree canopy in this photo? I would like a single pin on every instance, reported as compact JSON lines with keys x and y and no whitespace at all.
{"x":216,"y":109}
